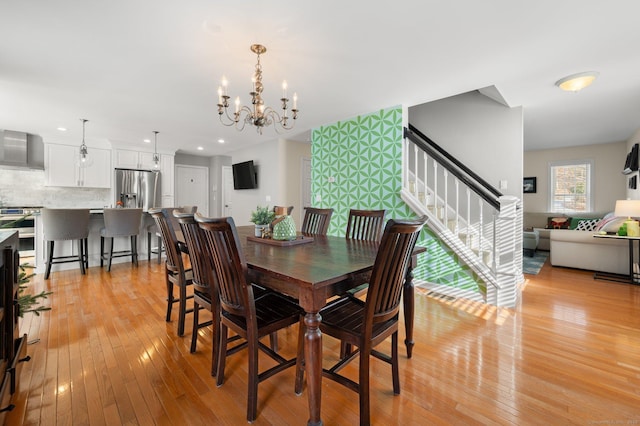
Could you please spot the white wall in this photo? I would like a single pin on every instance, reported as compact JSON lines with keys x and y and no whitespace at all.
{"x":484,"y":135}
{"x":278,"y":166}
{"x":608,"y":160}
{"x":267,"y":158}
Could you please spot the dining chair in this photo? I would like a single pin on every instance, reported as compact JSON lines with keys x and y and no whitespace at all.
{"x":241,"y":312}
{"x":316,"y":221}
{"x":205,"y":290}
{"x":175,"y":272}
{"x":152,"y":230}
{"x":365,"y":225}
{"x":366,"y":324}
{"x":64,"y":225}
{"x":120,"y":222}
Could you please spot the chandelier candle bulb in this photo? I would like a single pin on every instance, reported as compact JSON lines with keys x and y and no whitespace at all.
{"x":219,"y":95}
{"x":224,"y":85}
{"x":237,"y":104}
{"x":295,"y":100}
{"x":284,"y":89}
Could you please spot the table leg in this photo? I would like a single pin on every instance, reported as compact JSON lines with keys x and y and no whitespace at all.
{"x":408,"y":303}
{"x":631,"y":260}
{"x":632,"y":273}
{"x":313,"y":365}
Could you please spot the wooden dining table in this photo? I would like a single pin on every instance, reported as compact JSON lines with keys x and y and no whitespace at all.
{"x":314,"y":272}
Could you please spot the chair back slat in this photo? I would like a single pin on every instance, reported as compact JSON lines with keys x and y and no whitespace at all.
{"x":230,"y":267}
{"x":164,"y":223}
{"x":390,"y":268}
{"x":201,"y":264}
{"x":316,"y":221}
{"x":365,"y":224}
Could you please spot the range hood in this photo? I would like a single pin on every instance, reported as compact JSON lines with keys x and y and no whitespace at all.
{"x":21,"y":150}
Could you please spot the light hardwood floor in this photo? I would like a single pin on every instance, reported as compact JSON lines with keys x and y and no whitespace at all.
{"x":570,"y":354}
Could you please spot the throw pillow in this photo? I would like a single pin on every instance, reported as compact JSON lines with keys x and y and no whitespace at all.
{"x":576,"y":220}
{"x":587,"y":225}
{"x":611,"y":224}
{"x":558,"y":223}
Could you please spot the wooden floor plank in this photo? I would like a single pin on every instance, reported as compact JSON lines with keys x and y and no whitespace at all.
{"x":568,"y":354}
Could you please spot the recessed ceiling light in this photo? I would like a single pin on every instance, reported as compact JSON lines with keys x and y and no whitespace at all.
{"x":577,"y":82}
{"x":147,"y":140}
{"x":200,"y":148}
{"x":62,"y":129}
{"x":220,"y":140}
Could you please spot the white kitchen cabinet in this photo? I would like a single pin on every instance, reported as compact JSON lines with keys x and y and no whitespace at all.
{"x":128,"y":159}
{"x":63,"y":169}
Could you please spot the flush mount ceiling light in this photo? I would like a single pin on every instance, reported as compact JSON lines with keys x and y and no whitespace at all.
{"x":257,"y":114}
{"x":577,"y":82}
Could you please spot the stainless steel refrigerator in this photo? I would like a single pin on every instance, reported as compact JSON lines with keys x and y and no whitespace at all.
{"x":137,"y":188}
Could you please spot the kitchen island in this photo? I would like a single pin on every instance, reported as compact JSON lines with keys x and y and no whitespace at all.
{"x":96,"y":223}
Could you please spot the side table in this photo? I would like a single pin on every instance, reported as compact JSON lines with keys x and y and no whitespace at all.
{"x":634,"y":274}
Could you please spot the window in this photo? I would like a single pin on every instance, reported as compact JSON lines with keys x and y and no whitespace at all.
{"x":571,"y":186}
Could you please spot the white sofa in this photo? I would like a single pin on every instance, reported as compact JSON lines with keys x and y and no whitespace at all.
{"x":579,"y":249}
{"x":538,"y":221}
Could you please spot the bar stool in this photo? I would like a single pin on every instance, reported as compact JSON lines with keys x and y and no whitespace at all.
{"x":62,"y":225}
{"x":120,"y":223}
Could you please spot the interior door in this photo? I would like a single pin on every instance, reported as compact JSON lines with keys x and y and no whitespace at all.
{"x":192,"y":183}
{"x":305,"y":188}
{"x":227,"y":189}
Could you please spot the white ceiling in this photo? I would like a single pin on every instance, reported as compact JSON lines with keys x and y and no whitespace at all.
{"x":134,"y":66}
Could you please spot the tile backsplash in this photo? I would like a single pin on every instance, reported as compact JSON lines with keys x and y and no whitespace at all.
{"x":25,"y":188}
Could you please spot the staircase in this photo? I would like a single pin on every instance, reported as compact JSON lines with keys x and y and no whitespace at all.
{"x":479,"y":224}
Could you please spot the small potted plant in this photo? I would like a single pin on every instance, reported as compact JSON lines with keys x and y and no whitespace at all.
{"x":262,"y":218}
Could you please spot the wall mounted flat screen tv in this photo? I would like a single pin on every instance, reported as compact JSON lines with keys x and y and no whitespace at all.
{"x":244,"y":175}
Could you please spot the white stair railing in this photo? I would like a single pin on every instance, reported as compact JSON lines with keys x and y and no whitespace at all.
{"x":481,"y":229}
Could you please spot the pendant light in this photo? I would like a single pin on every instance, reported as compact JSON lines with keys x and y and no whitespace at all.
{"x":84,"y":160}
{"x":156,"y":156}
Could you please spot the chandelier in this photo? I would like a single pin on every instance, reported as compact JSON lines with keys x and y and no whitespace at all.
{"x":257,"y":114}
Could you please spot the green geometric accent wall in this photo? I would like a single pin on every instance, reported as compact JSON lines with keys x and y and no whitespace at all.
{"x":364,"y":157}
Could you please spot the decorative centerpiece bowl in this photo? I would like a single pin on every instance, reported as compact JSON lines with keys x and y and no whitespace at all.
{"x":283,"y":227}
